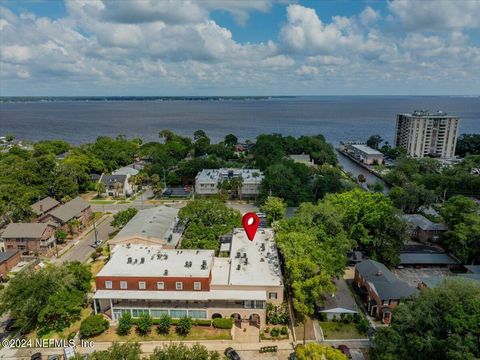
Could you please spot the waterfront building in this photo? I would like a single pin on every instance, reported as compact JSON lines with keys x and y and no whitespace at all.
{"x":179,"y":282}
{"x":207,"y":180}
{"x":364,"y":153}
{"x":423,"y":133}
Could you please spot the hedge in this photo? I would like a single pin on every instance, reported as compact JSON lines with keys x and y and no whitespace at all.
{"x":198,"y":322}
{"x":221,"y":323}
{"x":93,"y":325}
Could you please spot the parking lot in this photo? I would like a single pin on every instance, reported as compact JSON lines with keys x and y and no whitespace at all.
{"x":414,"y":276}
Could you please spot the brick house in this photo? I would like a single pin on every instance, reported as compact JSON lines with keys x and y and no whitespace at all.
{"x":8,"y":260}
{"x":380,"y":289}
{"x":76,"y":209}
{"x":424,"y":230}
{"x":29,"y":237}
{"x":43,"y":206}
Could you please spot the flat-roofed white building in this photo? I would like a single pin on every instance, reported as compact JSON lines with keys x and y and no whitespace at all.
{"x":364,"y":153}
{"x":195,"y":283}
{"x":207,"y":180}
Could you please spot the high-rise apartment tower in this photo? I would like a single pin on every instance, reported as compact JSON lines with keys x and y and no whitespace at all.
{"x":423,"y":133}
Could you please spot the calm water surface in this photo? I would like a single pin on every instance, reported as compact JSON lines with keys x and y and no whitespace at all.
{"x":337,"y":117}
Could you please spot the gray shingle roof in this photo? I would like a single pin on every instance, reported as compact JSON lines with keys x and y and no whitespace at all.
{"x":44,"y":205}
{"x":385,"y":283}
{"x":475,"y":269}
{"x":112,"y":179}
{"x":69,"y":210}
{"x":342,"y":298}
{"x":5,"y":255}
{"x":24,"y":230}
{"x":423,"y":223}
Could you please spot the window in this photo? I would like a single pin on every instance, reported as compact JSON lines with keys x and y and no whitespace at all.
{"x":197,"y":314}
{"x":158,"y":313}
{"x":142,"y":285}
{"x":160,"y":285}
{"x":123,"y":284}
{"x":179,"y":285}
{"x":385,"y":302}
{"x":197,"y":285}
{"x":177,"y":314}
{"x":272,"y":295}
{"x":108,"y":284}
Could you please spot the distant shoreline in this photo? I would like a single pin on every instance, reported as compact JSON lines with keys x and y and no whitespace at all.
{"x":7,"y":99}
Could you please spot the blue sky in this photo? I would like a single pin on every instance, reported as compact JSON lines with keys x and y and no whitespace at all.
{"x":228,"y":47}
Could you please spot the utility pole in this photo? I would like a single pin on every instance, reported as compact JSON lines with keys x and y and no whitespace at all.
{"x":95,"y":231}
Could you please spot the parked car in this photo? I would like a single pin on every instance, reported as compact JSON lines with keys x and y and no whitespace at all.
{"x":231,"y":354}
{"x":345,"y":350}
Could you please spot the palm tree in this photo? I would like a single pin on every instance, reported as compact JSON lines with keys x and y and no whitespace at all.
{"x":255,"y":175}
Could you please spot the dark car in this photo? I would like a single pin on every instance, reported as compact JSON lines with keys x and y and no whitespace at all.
{"x":36,"y":356}
{"x":345,"y":350}
{"x":231,"y":354}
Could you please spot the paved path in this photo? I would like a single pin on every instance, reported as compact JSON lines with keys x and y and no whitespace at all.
{"x":82,"y":248}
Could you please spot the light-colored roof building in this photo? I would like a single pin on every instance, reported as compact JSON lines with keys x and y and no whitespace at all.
{"x":207,"y":180}
{"x":154,"y":226}
{"x":193,"y":283}
{"x":126,"y":170}
{"x":423,"y":223}
{"x":302,"y":159}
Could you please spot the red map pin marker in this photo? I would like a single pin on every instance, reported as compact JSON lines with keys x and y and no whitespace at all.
{"x":250,"y":223}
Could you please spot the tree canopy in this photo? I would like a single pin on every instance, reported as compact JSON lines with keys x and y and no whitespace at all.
{"x":442,"y":323}
{"x":205,"y":221}
{"x":314,"y":351}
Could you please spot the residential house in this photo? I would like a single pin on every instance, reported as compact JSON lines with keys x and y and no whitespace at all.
{"x":338,"y":303}
{"x":8,"y":260}
{"x":126,"y":170}
{"x":303,"y":158}
{"x":424,"y":230}
{"x":43,"y":206}
{"x":76,"y":209}
{"x":154,"y":280}
{"x":117,"y":185}
{"x":380,"y":289}
{"x":29,"y":237}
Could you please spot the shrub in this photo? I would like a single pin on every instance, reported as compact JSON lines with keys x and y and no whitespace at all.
{"x":357,"y":317}
{"x":164,"y":324}
{"x":93,"y":325}
{"x":202,"y":322}
{"x":94,"y":256}
{"x":221,"y":323}
{"x":275,"y":332}
{"x":363,"y":326}
{"x":2,"y":286}
{"x":144,"y":324}
{"x":184,"y":326}
{"x":284,"y":330}
{"x":267,"y":330}
{"x":99,"y":250}
{"x":124,"y":324}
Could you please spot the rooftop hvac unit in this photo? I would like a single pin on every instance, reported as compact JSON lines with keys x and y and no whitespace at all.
{"x":238,"y":267}
{"x":142,"y":260}
{"x":165,"y":273}
{"x":134,"y":261}
{"x":204,"y":264}
{"x":238,"y":254}
{"x":129,"y":260}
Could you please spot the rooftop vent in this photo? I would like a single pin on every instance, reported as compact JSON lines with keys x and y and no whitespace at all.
{"x":262,"y":260}
{"x":165,"y":273}
{"x":134,"y":261}
{"x":379,"y":273}
{"x":204,"y":264}
{"x":142,"y":260}
{"x":238,"y":267}
{"x":238,"y":254}
{"x":129,"y":260}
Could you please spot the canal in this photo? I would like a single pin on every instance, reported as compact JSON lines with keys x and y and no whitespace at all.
{"x":352,"y":167}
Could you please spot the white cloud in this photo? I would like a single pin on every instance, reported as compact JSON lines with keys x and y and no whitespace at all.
{"x":369,"y":15}
{"x":437,"y":14}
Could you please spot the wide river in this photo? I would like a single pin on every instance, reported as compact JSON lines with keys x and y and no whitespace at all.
{"x":337,"y":117}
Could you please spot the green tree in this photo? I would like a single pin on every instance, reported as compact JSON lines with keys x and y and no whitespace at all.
{"x":183,"y":352}
{"x":374,"y":141}
{"x":125,"y":351}
{"x":62,"y":308}
{"x":93,"y":326}
{"x":274,"y":207}
{"x":121,"y":218}
{"x":60,"y":236}
{"x":456,"y":209}
{"x":230,"y":140}
{"x":124,"y":323}
{"x":314,"y":351}
{"x":101,"y":188}
{"x":328,"y":180}
{"x":144,"y":325}
{"x":184,"y":326}
{"x":157,"y":185}
{"x":410,"y":197}
{"x":164,"y":324}
{"x":205,"y":220}
{"x":442,"y":323}
{"x":468,"y":144}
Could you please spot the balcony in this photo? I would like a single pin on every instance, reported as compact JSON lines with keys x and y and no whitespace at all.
{"x":188,"y":304}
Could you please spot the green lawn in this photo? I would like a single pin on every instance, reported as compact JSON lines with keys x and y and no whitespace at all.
{"x":338,"y":330}
{"x":197,"y":333}
{"x":102,"y":202}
